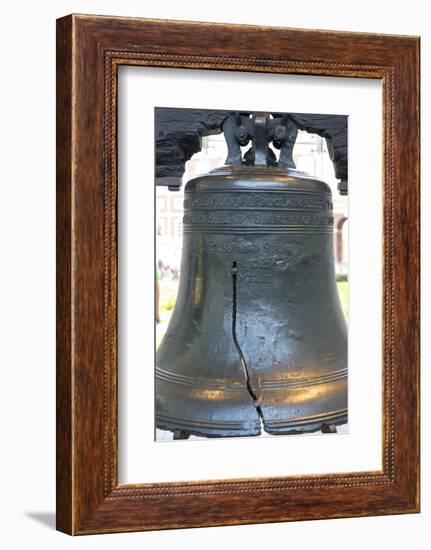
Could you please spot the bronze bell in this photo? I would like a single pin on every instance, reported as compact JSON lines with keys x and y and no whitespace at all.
{"x":257,"y":338}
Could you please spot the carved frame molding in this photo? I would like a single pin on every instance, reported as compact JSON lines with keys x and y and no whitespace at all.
{"x":89,"y":51}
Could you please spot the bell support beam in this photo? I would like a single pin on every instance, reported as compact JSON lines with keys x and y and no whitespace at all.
{"x":179,"y":135}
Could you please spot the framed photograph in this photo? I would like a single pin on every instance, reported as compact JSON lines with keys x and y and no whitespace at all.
{"x":237,"y":274}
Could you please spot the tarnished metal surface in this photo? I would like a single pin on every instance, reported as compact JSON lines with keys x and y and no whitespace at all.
{"x":257,"y":339}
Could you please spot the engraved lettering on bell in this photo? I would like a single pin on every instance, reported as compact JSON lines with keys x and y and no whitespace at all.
{"x":257,"y":340}
{"x":264,"y":218}
{"x":252,"y":201}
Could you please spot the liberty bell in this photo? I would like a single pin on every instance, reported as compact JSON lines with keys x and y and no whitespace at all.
{"x":257,"y":339}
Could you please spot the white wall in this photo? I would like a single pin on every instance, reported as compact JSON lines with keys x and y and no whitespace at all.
{"x":27,"y":271}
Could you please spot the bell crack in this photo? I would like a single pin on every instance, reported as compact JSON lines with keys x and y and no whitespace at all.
{"x":249,"y":387}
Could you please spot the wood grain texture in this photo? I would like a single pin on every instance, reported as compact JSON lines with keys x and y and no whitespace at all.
{"x":90,"y":49}
{"x":64,"y":496}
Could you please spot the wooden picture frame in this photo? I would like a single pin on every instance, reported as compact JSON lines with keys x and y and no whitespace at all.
{"x":89,"y":51}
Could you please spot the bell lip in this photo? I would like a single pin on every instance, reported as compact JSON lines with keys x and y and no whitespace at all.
{"x":255,"y":178}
